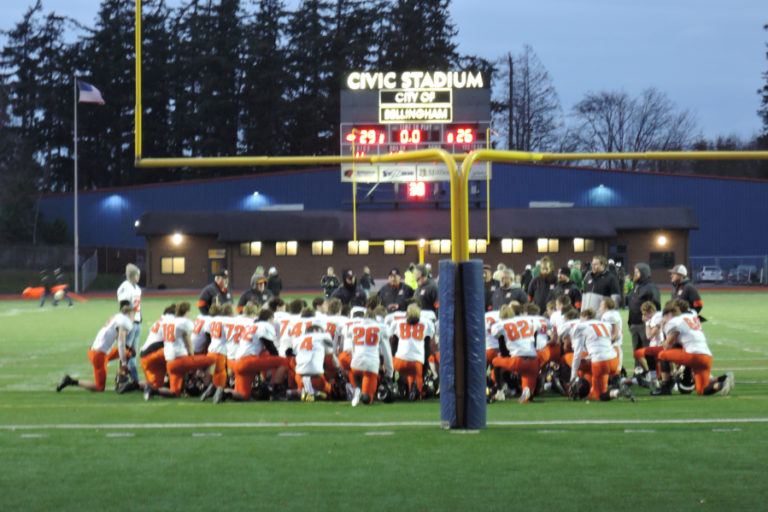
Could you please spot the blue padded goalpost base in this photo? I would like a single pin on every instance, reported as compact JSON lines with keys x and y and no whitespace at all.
{"x":462,"y":345}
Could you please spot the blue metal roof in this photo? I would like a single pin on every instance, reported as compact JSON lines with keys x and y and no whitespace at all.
{"x":731,"y":213}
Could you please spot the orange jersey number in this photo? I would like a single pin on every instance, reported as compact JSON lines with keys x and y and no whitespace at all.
{"x":306,"y":344}
{"x":518,"y":329}
{"x":693,"y":322}
{"x":413,"y":331}
{"x":369,"y":336}
{"x":601,"y":330}
{"x":169,"y":333}
{"x":216,"y":330}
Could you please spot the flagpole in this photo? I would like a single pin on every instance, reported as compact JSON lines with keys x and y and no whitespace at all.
{"x":77,"y":232}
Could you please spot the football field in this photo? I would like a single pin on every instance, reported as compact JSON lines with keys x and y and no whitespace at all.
{"x":77,"y":450}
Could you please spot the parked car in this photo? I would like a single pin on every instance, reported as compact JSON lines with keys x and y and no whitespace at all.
{"x":712,"y":274}
{"x":743,"y":274}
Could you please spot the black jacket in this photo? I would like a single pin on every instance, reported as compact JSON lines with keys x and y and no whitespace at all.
{"x":506,"y":295}
{"x":542,"y":290}
{"x":571,"y":290}
{"x":395,"y":296}
{"x":644,"y":290}
{"x":427,"y":293}
{"x":352,"y":295}
{"x":212,"y":294}
{"x":686,"y":291}
{"x":598,"y":287}
{"x":275,"y":284}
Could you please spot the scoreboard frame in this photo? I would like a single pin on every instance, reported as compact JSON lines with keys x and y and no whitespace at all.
{"x":386,"y":113}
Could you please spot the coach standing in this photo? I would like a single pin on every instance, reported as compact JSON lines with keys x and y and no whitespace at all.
{"x":542,"y":288}
{"x":599,"y":284}
{"x":215,"y":293}
{"x":644,"y":290}
{"x":427,"y":290}
{"x":682,"y":288}
{"x":129,"y":294}
{"x":395,"y":294}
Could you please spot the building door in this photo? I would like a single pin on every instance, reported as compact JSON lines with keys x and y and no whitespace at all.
{"x":217,"y":261}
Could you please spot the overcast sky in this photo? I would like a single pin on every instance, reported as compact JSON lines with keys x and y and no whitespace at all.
{"x":706,"y":55}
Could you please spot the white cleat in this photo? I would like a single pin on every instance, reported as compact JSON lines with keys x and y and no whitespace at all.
{"x":525,"y":396}
{"x":728,"y":384}
{"x":356,"y":397}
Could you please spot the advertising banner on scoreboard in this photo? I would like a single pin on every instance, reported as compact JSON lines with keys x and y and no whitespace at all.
{"x":405,"y":173}
{"x":436,"y":172}
{"x":364,"y":173}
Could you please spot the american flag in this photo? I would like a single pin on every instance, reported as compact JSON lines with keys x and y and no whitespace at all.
{"x":89,"y":94}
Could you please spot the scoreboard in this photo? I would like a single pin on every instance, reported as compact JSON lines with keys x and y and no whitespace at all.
{"x":388,"y":112}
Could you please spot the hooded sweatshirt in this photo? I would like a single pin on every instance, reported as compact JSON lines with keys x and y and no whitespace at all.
{"x":643,"y":291}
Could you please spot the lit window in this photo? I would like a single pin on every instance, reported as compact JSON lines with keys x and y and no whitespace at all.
{"x":322,"y":248}
{"x":172,"y":265}
{"x":440,"y":246}
{"x":394,"y":247}
{"x":548,"y":244}
{"x":478,"y":246}
{"x":512,"y":245}
{"x":357,"y":248}
{"x":250,"y":249}
{"x":286,"y":248}
{"x":583,"y":245}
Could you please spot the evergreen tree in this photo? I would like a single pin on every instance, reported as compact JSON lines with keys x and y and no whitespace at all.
{"x":417,"y":34}
{"x":353,"y":37}
{"x":307,"y":124}
{"x":205,"y":96}
{"x":264,"y":106}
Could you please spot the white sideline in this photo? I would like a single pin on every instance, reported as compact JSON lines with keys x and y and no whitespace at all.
{"x":149,"y":426}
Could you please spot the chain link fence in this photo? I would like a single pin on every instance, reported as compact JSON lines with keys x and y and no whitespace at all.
{"x":730,"y":269}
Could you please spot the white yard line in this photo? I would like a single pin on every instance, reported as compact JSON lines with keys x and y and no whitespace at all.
{"x":318,"y":424}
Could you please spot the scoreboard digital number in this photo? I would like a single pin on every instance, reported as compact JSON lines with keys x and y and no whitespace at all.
{"x":386,"y":112}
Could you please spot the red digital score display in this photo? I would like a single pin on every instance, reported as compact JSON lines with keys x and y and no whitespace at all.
{"x":407,"y":136}
{"x":367,"y":137}
{"x":417,"y":189}
{"x":460,"y":136}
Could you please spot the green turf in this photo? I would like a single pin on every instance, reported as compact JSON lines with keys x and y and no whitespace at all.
{"x":69,"y":451}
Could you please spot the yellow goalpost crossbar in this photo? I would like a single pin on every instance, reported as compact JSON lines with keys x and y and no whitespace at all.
{"x":459,"y":177}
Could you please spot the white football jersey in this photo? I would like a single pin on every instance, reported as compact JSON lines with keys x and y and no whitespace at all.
{"x":334,"y":325}
{"x":132,"y":294}
{"x":174,"y":333}
{"x":613,"y":317}
{"x":251,"y":343}
{"x":690,"y":335}
{"x":156,"y":331}
{"x":491,"y":343}
{"x":242,"y":332}
{"x":371,"y":338}
{"x":310,"y":350}
{"x":410,"y":346}
{"x":108,"y":334}
{"x":347,"y":334}
{"x":594,"y":338}
{"x":281,"y":321}
{"x":519,"y":335}
{"x":218,"y":335}
{"x":655,"y":321}
{"x":543,"y":331}
{"x":200,"y":332}
{"x":556,"y":319}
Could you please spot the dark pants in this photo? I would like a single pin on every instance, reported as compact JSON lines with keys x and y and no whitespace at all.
{"x":639,"y":339}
